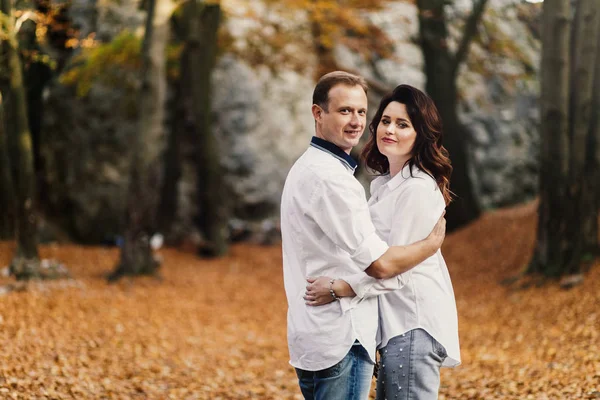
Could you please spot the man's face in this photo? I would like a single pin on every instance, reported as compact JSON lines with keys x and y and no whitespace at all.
{"x":344,"y":121}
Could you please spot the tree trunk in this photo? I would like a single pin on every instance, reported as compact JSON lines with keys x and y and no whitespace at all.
{"x":202,"y":47}
{"x":441,"y":69}
{"x":171,"y":172}
{"x":552,"y":240}
{"x":146,"y":168}
{"x":592,"y":171}
{"x":179,"y":107}
{"x":25,"y":264}
{"x":584,"y":57}
{"x":37,"y":77}
{"x":172,"y":167}
{"x":7,"y":195}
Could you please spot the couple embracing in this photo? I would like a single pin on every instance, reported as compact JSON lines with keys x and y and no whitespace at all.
{"x":366,"y":277}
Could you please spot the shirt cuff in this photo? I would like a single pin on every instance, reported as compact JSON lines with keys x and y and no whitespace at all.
{"x":369,"y":250}
{"x":360,"y":283}
{"x":363,"y":284}
{"x":347,"y":304}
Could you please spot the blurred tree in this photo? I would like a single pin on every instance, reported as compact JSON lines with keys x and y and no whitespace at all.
{"x":145,"y":175}
{"x":46,"y":38}
{"x":591,"y":231}
{"x":441,"y":70}
{"x":178,"y":105}
{"x":25,"y":263}
{"x":7,"y":217}
{"x":569,"y":198}
{"x":201,"y":49}
{"x":196,"y":25}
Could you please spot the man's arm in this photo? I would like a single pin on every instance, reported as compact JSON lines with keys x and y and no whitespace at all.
{"x":340,"y":210}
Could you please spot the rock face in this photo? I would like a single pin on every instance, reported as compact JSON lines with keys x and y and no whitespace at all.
{"x":263,"y":121}
{"x":504,"y":150}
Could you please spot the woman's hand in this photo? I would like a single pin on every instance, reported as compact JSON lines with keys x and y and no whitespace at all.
{"x":317,"y":291}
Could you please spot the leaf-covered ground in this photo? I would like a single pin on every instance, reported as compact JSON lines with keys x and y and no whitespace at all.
{"x":216,"y":329}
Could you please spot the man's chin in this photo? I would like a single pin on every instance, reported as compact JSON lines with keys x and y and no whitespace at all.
{"x":351,"y":143}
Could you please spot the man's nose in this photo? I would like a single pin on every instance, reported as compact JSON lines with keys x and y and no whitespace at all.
{"x":355,"y":119}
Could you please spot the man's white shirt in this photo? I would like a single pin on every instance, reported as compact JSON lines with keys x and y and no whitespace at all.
{"x":326,"y":231}
{"x":404,"y":210}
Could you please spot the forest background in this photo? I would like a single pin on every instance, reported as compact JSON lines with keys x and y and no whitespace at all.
{"x":130,"y":127}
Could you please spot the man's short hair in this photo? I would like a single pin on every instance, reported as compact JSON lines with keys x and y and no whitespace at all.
{"x":327,"y":81}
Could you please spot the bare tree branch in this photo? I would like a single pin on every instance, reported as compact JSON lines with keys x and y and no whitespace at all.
{"x":469,"y":32}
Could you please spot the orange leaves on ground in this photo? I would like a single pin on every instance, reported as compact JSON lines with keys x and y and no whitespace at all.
{"x":216,"y":329}
{"x":537,"y":343}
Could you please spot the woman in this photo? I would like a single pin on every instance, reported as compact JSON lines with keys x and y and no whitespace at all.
{"x":418,"y":328}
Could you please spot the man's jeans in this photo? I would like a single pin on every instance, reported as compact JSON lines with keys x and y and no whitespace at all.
{"x":350,"y":379}
{"x":410,"y":367}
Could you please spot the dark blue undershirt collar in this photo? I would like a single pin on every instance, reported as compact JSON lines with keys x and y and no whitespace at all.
{"x":335,"y":151}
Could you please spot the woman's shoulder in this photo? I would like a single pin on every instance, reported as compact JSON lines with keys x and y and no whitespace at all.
{"x":420,"y":185}
{"x":417,"y":177}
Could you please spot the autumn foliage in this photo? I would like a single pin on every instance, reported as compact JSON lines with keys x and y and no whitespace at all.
{"x":216,"y":329}
{"x":301,"y":34}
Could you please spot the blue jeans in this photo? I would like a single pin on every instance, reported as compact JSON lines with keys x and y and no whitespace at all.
{"x":350,"y":379}
{"x":410,"y":367}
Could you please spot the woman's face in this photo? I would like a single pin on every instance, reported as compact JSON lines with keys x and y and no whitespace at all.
{"x":395,"y":133}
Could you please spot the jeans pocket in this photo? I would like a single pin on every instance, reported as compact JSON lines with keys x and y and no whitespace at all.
{"x":438,"y":349}
{"x":332,"y":371}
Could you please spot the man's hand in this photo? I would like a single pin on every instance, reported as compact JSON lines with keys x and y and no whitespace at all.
{"x":317,"y":291}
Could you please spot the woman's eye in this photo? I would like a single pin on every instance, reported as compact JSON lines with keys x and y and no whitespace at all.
{"x":384,"y":122}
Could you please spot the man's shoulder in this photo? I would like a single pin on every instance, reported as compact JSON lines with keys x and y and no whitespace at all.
{"x":317,"y":165}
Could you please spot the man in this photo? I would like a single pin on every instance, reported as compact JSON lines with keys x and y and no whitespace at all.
{"x":327,"y":230}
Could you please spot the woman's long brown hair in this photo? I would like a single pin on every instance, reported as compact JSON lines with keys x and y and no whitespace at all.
{"x":428,"y":153}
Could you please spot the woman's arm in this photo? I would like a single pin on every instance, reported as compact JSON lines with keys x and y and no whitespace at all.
{"x":415,"y":212}
{"x":318,"y":289}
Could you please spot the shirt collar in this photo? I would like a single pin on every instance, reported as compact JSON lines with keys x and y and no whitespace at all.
{"x":402,"y":176}
{"x":335,"y":151}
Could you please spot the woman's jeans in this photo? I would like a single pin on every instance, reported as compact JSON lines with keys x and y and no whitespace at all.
{"x":410,"y":367}
{"x":350,"y":379}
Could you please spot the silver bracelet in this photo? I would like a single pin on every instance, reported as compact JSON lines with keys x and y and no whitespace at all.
{"x":331,"y":290}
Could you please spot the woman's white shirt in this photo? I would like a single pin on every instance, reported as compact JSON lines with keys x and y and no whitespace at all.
{"x":404,"y":210}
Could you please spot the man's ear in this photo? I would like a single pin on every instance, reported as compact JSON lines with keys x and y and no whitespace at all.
{"x":317,"y":112}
